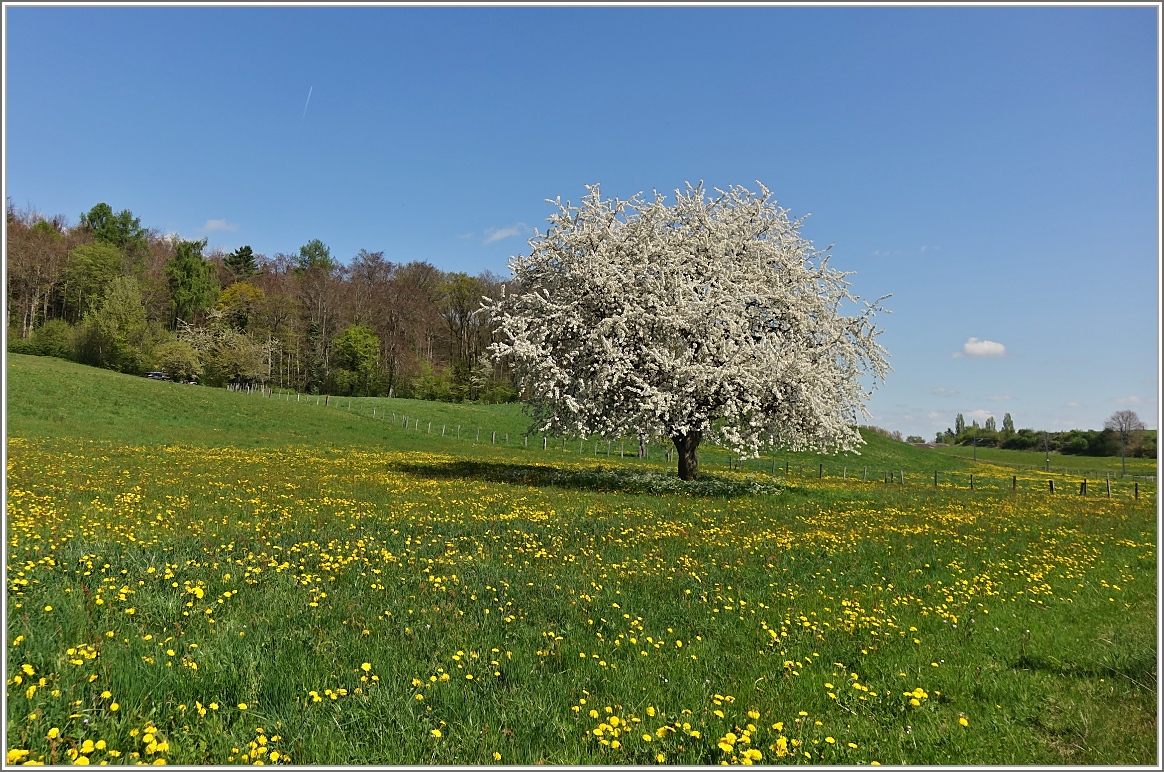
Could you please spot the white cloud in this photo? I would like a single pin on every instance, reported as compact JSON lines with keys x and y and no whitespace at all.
{"x":978,"y":415}
{"x":219,"y":225}
{"x":1133,"y":400}
{"x":942,"y":391}
{"x":497,"y":234}
{"x":1074,"y":404}
{"x":981,"y":348}
{"x":930,"y":248}
{"x":934,"y":415}
{"x":1000,"y":398}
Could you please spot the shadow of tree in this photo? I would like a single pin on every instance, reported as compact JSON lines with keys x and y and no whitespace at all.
{"x":598,"y":478}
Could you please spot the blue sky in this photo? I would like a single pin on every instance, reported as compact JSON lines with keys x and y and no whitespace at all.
{"x":995,"y":168}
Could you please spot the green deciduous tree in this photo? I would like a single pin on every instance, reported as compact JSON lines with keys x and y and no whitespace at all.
{"x":179,"y":360}
{"x":240,"y":303}
{"x":959,"y":424}
{"x":122,"y":230}
{"x":116,"y":334}
{"x":90,"y":269}
{"x":357,"y":351}
{"x":192,"y":288}
{"x":1007,"y":424}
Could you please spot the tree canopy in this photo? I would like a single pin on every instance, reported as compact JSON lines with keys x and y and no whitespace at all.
{"x":242,"y":262}
{"x":122,"y":230}
{"x":191,"y":286}
{"x":706,"y":318}
{"x":315,"y":254}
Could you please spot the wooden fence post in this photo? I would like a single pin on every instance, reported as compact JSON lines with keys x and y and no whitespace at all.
{"x":935,"y":478}
{"x":1109,"y":486}
{"x":971,"y":482}
{"x":1052,"y":484}
{"x":1083,"y":488}
{"x":1137,"y":489}
{"x":1013,"y":482}
{"x":820,"y":472}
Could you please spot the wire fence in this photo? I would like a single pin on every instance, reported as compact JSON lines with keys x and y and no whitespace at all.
{"x":1101,"y":483}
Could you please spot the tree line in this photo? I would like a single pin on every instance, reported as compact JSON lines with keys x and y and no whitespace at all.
{"x":1123,"y":434}
{"x":109,"y":292}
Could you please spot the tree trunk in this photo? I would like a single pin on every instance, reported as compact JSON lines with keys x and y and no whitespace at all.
{"x":685,"y":445}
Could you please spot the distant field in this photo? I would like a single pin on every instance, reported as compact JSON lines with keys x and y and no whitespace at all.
{"x":205,"y":577}
{"x":1095,"y":466}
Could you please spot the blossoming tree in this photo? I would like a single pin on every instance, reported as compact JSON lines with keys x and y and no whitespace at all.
{"x":709,"y":318}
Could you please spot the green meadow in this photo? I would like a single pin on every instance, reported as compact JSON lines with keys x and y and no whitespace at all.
{"x":1072,"y":466}
{"x":196,"y":576}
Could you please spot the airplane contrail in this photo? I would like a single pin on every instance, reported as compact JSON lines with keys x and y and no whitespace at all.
{"x":306,"y":103}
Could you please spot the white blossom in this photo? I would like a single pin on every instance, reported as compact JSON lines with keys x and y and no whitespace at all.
{"x":710,"y":318}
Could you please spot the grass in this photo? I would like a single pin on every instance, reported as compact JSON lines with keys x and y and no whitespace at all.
{"x":244,"y":577}
{"x":1093,"y":466}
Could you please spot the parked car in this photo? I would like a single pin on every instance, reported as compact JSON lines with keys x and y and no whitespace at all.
{"x":158,"y":376}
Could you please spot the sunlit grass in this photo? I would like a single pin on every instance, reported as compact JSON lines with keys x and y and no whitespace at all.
{"x":395,"y":600}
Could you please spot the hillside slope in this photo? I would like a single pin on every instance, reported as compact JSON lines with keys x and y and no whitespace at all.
{"x":53,"y":398}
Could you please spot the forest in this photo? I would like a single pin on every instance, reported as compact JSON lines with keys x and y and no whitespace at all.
{"x":112,"y":293}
